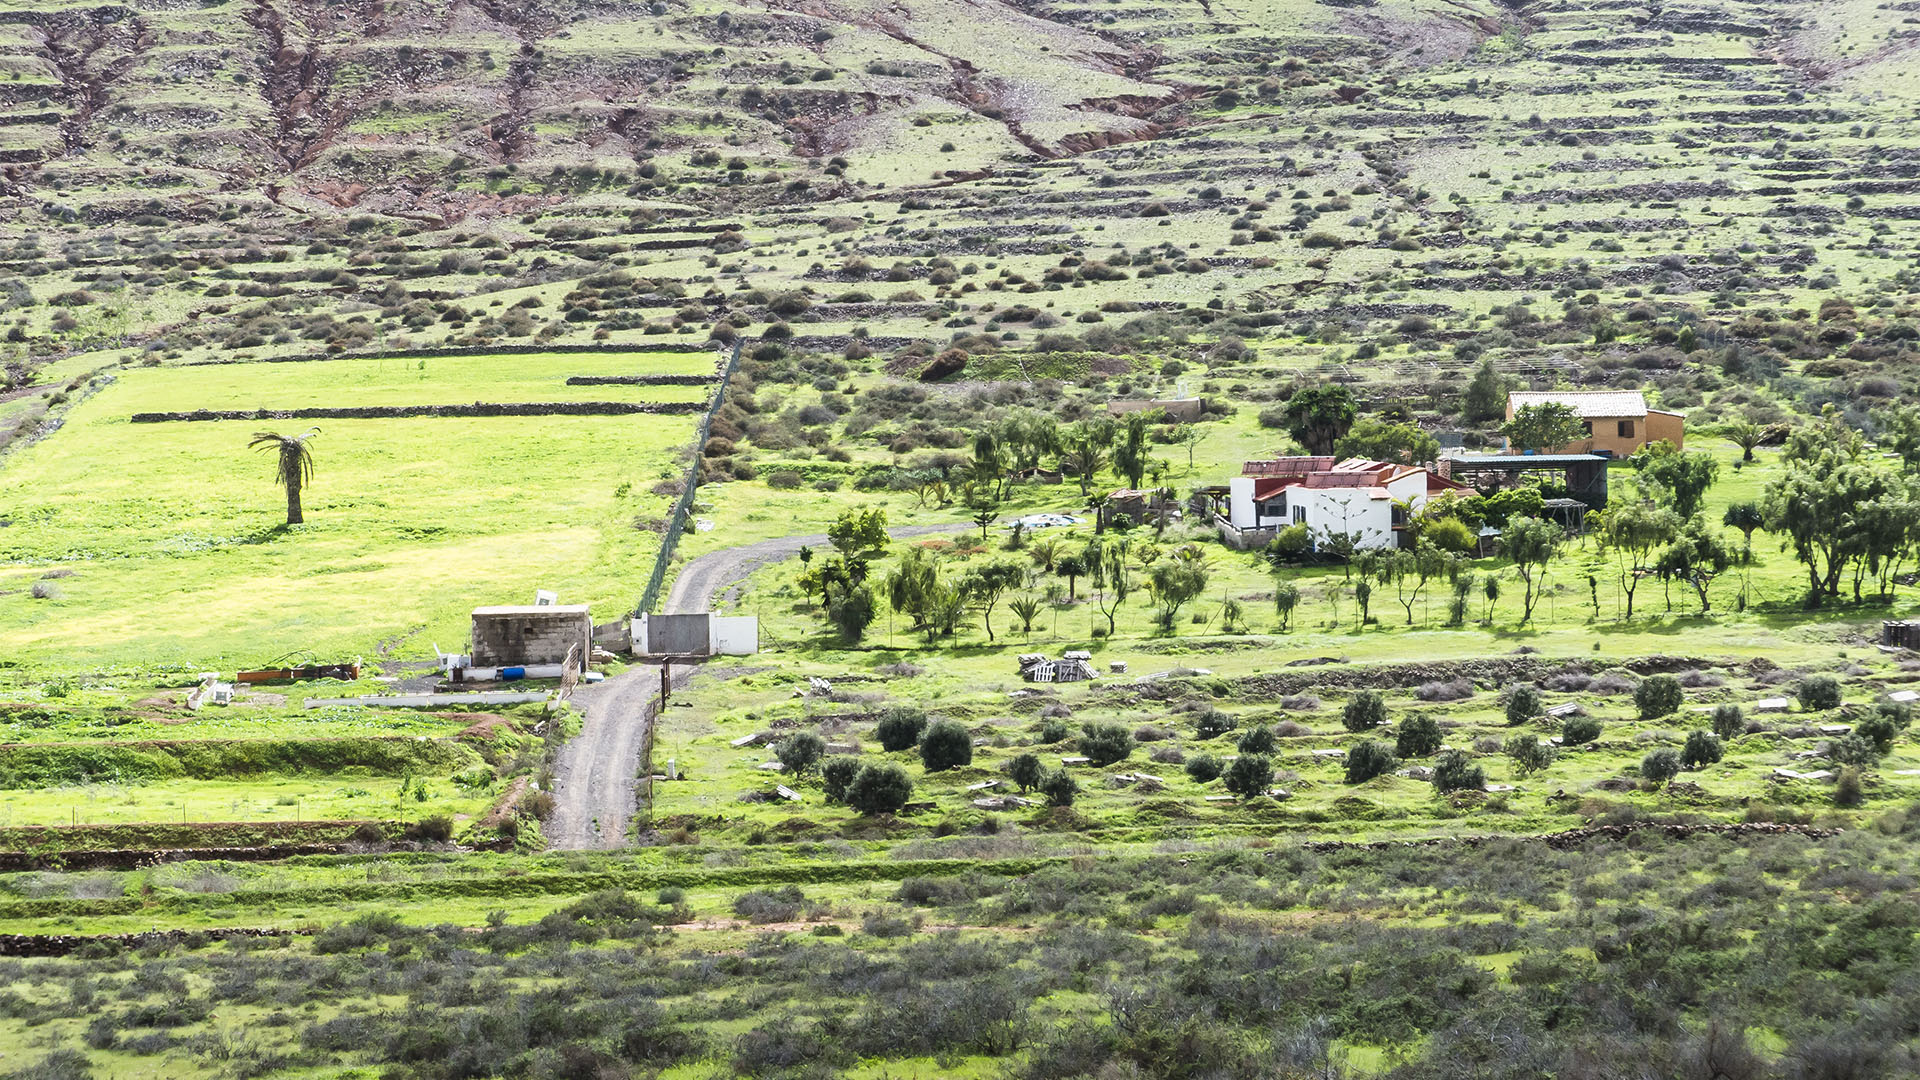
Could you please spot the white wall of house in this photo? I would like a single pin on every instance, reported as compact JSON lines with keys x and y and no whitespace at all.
{"x":1352,"y":511}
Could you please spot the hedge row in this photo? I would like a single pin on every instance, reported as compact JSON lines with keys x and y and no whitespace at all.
{"x":639,"y":380}
{"x":175,"y":836}
{"x":385,"y":412}
{"x":43,"y":765}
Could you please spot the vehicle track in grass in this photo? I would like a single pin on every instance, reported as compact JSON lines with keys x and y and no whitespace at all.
{"x":596,"y":775}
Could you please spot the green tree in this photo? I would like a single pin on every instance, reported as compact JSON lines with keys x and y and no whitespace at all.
{"x":1286,"y":597}
{"x":1657,"y":696}
{"x":1531,"y":543}
{"x":1523,"y":704}
{"x":800,"y":752}
{"x":1818,"y":693}
{"x":1409,"y":572}
{"x":851,"y":613}
{"x":1319,"y":416}
{"x":1746,"y":517}
{"x":1812,"y":504}
{"x":1073,"y":567}
{"x":293,"y":465}
{"x":1674,"y":478}
{"x":985,"y":585}
{"x":1085,"y":451}
{"x":946,"y":745}
{"x":1529,"y":753}
{"x":1728,"y":721}
{"x":1059,"y":788}
{"x":1419,"y":735}
{"x":837,"y":775}
{"x":1387,"y":440}
{"x":1900,"y":433}
{"x":1697,"y":556}
{"x":1105,"y":743}
{"x":879,"y":788}
{"x":1633,"y":531}
{"x":1546,"y":426}
{"x":1130,"y":448}
{"x":1248,"y":776}
{"x":1118,"y":578}
{"x":1486,"y":395}
{"x":1026,"y":608}
{"x":1203,"y":767}
{"x":1256,"y":740}
{"x":1365,"y":711}
{"x":1702,"y":748}
{"x":900,"y":727}
{"x":1026,"y":771}
{"x":1660,"y":765}
{"x":1579,"y":730}
{"x":1175,"y":582}
{"x":1744,"y":435}
{"x":1455,"y":771}
{"x":859,"y":533}
{"x":1368,"y":759}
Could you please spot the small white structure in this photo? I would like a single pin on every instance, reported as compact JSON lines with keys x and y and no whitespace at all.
{"x":1074,"y":666}
{"x":1367,"y":501}
{"x":696,"y":635}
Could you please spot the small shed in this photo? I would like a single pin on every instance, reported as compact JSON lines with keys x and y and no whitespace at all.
{"x":518,"y":635}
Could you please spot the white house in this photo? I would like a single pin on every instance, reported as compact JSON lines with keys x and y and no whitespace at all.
{"x":1367,"y":500}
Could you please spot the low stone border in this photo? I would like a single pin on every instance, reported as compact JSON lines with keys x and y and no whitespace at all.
{"x":401,"y":412}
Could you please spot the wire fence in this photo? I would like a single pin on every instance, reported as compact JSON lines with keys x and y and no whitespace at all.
{"x":683,"y":507}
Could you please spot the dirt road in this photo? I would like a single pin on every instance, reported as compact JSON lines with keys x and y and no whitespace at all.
{"x":595,"y":776}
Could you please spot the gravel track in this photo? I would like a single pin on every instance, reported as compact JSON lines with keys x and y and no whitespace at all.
{"x":595,"y":775}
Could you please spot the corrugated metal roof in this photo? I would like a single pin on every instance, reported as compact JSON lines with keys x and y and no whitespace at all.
{"x":1522,"y":461}
{"x":1586,"y":404}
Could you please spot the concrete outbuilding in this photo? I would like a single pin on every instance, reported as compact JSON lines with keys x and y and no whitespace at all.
{"x":517,"y":636}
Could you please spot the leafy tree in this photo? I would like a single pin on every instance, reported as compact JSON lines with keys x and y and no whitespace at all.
{"x":851,"y":614}
{"x":1818,"y":693}
{"x":1256,"y":740}
{"x":859,"y":533}
{"x":900,"y":727}
{"x":1728,"y":721}
{"x":1386,"y":440}
{"x":1025,"y":608}
{"x":1419,"y":735}
{"x":1486,"y":395}
{"x":1878,"y":730}
{"x":1578,"y":731}
{"x":1214,"y":723}
{"x":1455,"y":771}
{"x":800,"y":752}
{"x":1106,"y":743}
{"x":1531,"y":544}
{"x":1118,"y":580}
{"x":1746,"y":517}
{"x":946,"y":745}
{"x":1026,"y":771}
{"x":1634,"y":531}
{"x":1657,"y":696}
{"x":1059,"y":788}
{"x":1854,"y":749}
{"x":1203,"y":767}
{"x":1848,"y":790}
{"x":1409,"y":572}
{"x":1319,"y":416}
{"x":1084,"y":451}
{"x":1812,"y":504}
{"x":1248,"y":776}
{"x":915,"y":589}
{"x":1072,"y":567}
{"x":1529,"y":753}
{"x":1175,"y":582}
{"x":1286,"y":597}
{"x":1661,"y":765}
{"x":1368,"y":759}
{"x":983,"y":586}
{"x":1702,"y":748}
{"x":1523,"y":704}
{"x":1365,"y":711}
{"x":1675,"y":478}
{"x":837,"y":775}
{"x":1697,"y":556}
{"x":879,"y":788}
{"x":1130,"y":448}
{"x":293,"y":465}
{"x":1744,"y":435}
{"x":985,"y":513}
{"x":1055,"y":730}
{"x":1900,"y":433}
{"x":1027,"y":435}
{"x":1546,"y":426}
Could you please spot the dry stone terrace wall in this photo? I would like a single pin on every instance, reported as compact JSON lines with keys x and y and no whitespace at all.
{"x":1490,"y":673}
{"x":401,"y":412}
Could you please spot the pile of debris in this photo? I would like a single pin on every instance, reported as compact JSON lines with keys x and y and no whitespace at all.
{"x":1073,"y":666}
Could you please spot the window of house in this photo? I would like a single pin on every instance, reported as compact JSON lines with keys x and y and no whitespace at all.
{"x":1399,"y":516}
{"x":1299,"y":515}
{"x":1626,"y":429}
{"x":1588,"y":424}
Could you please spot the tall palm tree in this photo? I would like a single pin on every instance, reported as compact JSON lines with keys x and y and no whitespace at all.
{"x":295,"y":466}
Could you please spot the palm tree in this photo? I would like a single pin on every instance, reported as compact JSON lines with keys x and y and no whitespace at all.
{"x":295,"y":466}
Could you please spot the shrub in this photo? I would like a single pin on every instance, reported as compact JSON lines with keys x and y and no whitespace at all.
{"x":837,"y":774}
{"x":785,"y":480}
{"x":1853,"y":749}
{"x":1660,"y":766}
{"x":437,"y":828}
{"x":800,"y":752}
{"x":1529,"y":754}
{"x":1249,"y":775}
{"x":1728,"y":721}
{"x":1579,"y":730}
{"x":1203,"y":767}
{"x":1657,"y":696}
{"x":1523,"y":704}
{"x":1368,"y":760}
{"x":879,"y":788}
{"x":1214,"y":723}
{"x":1898,"y":714}
{"x":1257,"y":741}
{"x":1848,"y":790}
{"x":1878,"y":730}
{"x":770,"y":905}
{"x":900,"y":727}
{"x":1106,"y":743}
{"x":1702,"y":748}
{"x":1026,"y":771}
{"x":1367,"y":710}
{"x":946,"y":745}
{"x":1418,"y":737}
{"x":1818,"y":693}
{"x":1451,"y":690}
{"x":1059,"y":788}
{"x":1054,"y":731}
{"x":1455,"y":771}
